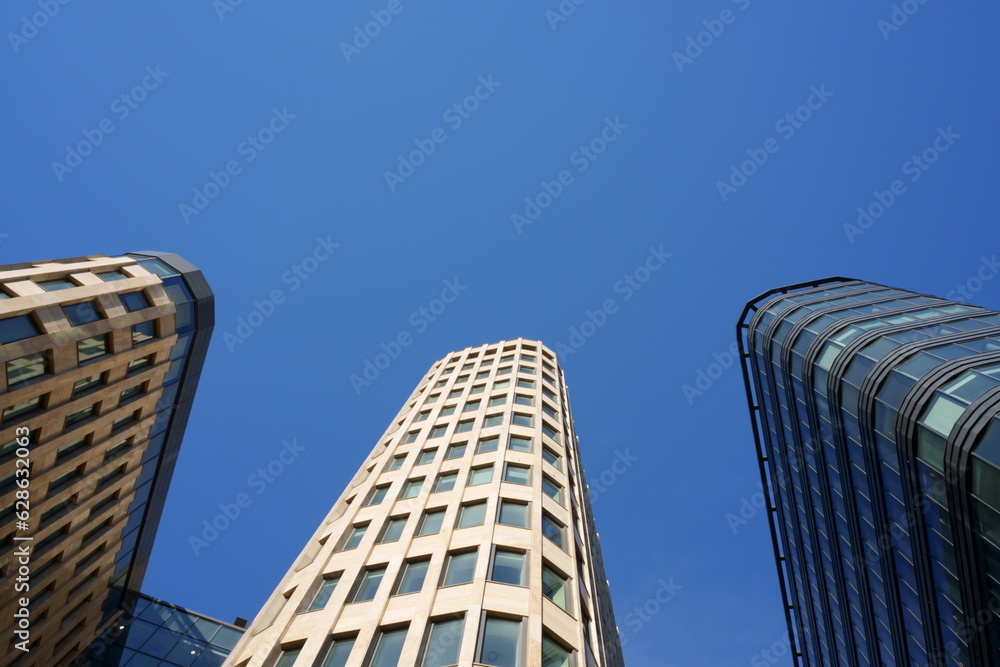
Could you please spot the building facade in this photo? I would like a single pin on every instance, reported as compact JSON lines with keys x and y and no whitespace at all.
{"x":101,"y":359}
{"x":466,"y":537}
{"x":875,"y":415}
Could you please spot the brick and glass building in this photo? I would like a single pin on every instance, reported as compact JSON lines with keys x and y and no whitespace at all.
{"x":465,"y":538}
{"x":101,"y":357}
{"x":876,"y":414}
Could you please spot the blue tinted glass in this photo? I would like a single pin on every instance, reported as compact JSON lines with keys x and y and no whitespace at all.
{"x":81,"y":313}
{"x":134,"y":301}
{"x":17,"y":328}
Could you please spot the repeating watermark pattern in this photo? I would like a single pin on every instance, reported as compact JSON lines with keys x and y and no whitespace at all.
{"x":641,"y":615}
{"x":365,"y":33}
{"x":419,"y":320}
{"x":600,"y":484}
{"x":30,"y":25}
{"x":122,"y":107}
{"x":627,"y":286}
{"x":562,"y":12}
{"x":581,"y":158}
{"x":786,"y":126}
{"x":224,"y":7}
{"x":703,"y":39}
{"x":914,"y":168}
{"x":455,"y":115}
{"x":294,"y":277}
{"x":964,"y":291}
{"x":706,"y":377}
{"x":248,"y":149}
{"x":899,"y":16}
{"x":258,"y":482}
{"x":773,"y":654}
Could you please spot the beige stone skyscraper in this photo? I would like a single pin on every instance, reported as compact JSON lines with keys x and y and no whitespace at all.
{"x":466,"y":537}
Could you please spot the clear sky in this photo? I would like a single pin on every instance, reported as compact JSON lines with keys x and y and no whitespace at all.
{"x":245,"y":136}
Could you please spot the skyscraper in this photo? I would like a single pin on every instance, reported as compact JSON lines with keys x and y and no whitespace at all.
{"x":875,"y":414}
{"x":101,"y":359}
{"x":466,"y":537}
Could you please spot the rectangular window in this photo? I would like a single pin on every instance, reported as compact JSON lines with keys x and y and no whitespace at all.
{"x":377,"y":495}
{"x":471,"y":405}
{"x":513,"y":513}
{"x":25,"y":368}
{"x":56,"y":284}
{"x":497,"y":400}
{"x":454,"y":393}
{"x":86,"y":383}
{"x":389,"y":648}
{"x":473,"y":514}
{"x":445,"y":482}
{"x":411,"y":580}
{"x":521,"y":419}
{"x":465,"y":426}
{"x":517,"y":474}
{"x":134,"y":301}
{"x":549,"y":431}
{"x":548,"y":410}
{"x":67,"y":451}
{"x":132,"y":392}
{"x":80,"y":415}
{"x":504,"y":370}
{"x":444,"y":643}
{"x":433,"y":398}
{"x":548,"y":393}
{"x":553,"y":653}
{"x":91,"y":348}
{"x":501,"y":384}
{"x":13,"y":329}
{"x":110,"y":276}
{"x":141,"y":362}
{"x":412,"y":488}
{"x":448,"y":370}
{"x":438,"y":431}
{"x":552,"y":458}
{"x":482,"y":375}
{"x":426,"y":456}
{"x":467,"y":367}
{"x":555,"y":531}
{"x":506,"y":358}
{"x":554,"y":587}
{"x":500,"y":644}
{"x":459,"y":568}
{"x":447,"y":410}
{"x":527,"y":370}
{"x":486,"y":362}
{"x":487,"y":445}
{"x":461,"y":378}
{"x":440,"y":383}
{"x":124,"y":421}
{"x":483,"y":475}
{"x":354,"y":538}
{"x":552,"y":489}
{"x":455,"y":451}
{"x":393,"y":529}
{"x":478,"y":389}
{"x":523,"y":399}
{"x":411,"y":437}
{"x":368,"y":583}
{"x":324,"y":592}
{"x":509,"y":568}
{"x":431,"y":522}
{"x":423,"y":416}
{"x":396,"y":462}
{"x":142,"y":332}
{"x":288,"y":657}
{"x":340,"y":651}
{"x":20,"y":409}
{"x":493,"y":420}
{"x":526,"y":384}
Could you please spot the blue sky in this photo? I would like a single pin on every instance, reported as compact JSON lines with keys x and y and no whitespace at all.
{"x":737,"y":137}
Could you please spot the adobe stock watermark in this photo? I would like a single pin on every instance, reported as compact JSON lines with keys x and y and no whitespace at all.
{"x":914,"y":168}
{"x":365,"y":33}
{"x":121,"y":107}
{"x":581,"y":158}
{"x":419,"y":320}
{"x":627,"y":286}
{"x":703,"y":39}
{"x":600,"y":484}
{"x":704,"y":378}
{"x":294,"y":276}
{"x":248,"y":149}
{"x":642,"y":614}
{"x":964,"y":291}
{"x":786,"y":126}
{"x":30,"y":25}
{"x":454,"y":115}
{"x":258,"y":482}
{"x":224,"y":7}
{"x":774,"y":653}
{"x":562,"y":12}
{"x":753,"y":505}
{"x":898,"y":17}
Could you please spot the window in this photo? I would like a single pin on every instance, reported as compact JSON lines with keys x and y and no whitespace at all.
{"x":67,"y":451}
{"x":500,"y":644}
{"x":545,"y":376}
{"x":393,"y":529}
{"x":554,"y":530}
{"x":552,"y":489}
{"x":524,"y":399}
{"x":549,"y":431}
{"x":389,"y":648}
{"x":548,"y":393}
{"x":445,"y":482}
{"x":86,"y":383}
{"x":426,"y":456}
{"x":411,"y":580}
{"x":134,"y":301}
{"x":478,"y":389}
{"x":411,"y":437}
{"x":132,"y":392}
{"x":461,"y":378}
{"x":123,"y":421}
{"x":487,"y":445}
{"x":554,"y":587}
{"x":516,"y":474}
{"x":444,"y":643}
{"x":482,"y":375}
{"x":467,"y":367}
{"x":438,"y":431}
{"x":17,"y":328}
{"x":80,"y":415}
{"x":82,"y":313}
{"x":91,"y":348}
{"x":368,"y":583}
{"x":340,"y":651}
{"x":525,"y":384}
{"x":447,"y":410}
{"x":433,"y":398}
{"x":548,"y":410}
{"x":430,"y":523}
{"x":287,"y":657}
{"x":412,"y":488}
{"x":483,"y":475}
{"x":501,"y":384}
{"x":56,"y":284}
{"x":529,"y":358}
{"x":513,"y":513}
{"x":521,"y":419}
{"x":465,"y":426}
{"x":25,"y":368}
{"x":396,"y":462}
{"x":324,"y":592}
{"x":503,"y":370}
{"x":139,"y":363}
{"x":552,"y":458}
{"x":486,"y":362}
{"x":473,"y":514}
{"x":142,"y":332}
{"x":110,"y":276}
{"x":509,"y":568}
{"x":377,"y":495}
{"x":497,"y":400}
{"x":440,"y":383}
{"x":471,"y":405}
{"x":455,"y":451}
{"x":493,"y":420}
{"x":454,"y":393}
{"x":423,"y":416}
{"x":519,"y":443}
{"x":448,"y":370}
{"x":506,"y":357}
{"x":354,"y":537}
{"x":527,"y":370}
{"x":22,"y":408}
{"x":553,"y":653}
{"x":459,"y":568}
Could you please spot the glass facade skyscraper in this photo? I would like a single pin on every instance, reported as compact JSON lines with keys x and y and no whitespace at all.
{"x":875,"y":414}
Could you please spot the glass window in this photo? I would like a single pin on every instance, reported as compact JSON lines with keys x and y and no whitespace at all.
{"x":423,"y":416}
{"x":447,"y":370}
{"x":357,"y":532}
{"x":440,"y":383}
{"x":79,"y":314}
{"x":444,"y":643}
{"x":527,"y":370}
{"x":508,"y":568}
{"x":554,"y":586}
{"x":486,"y":362}
{"x":467,"y":367}
{"x":501,"y":384}
{"x":506,"y":357}
{"x":524,"y":399}
{"x":80,"y":415}
{"x":552,"y":489}
{"x":86,"y":383}
{"x":25,"y":368}
{"x":548,"y":410}
{"x":501,"y":643}
{"x":368,"y":583}
{"x":411,"y":437}
{"x":478,"y":389}
{"x":554,"y":530}
{"x":111,"y":276}
{"x":553,"y":654}
{"x":483,"y":475}
{"x":134,"y":301}
{"x":389,"y":649}
{"x":447,"y":410}
{"x":549,"y":431}
{"x":132,"y":392}
{"x":519,"y":443}
{"x":493,"y":420}
{"x":552,"y":458}
{"x":397,"y":462}
{"x":464,"y":426}
{"x":445,"y":482}
{"x":17,"y":328}
{"x":528,"y":358}
{"x":461,"y":378}
{"x":460,"y":568}
{"x":455,"y":451}
{"x":431,"y":522}
{"x":426,"y":456}
{"x":521,"y":419}
{"x":288,"y":657}
{"x":497,"y":400}
{"x":504,"y":370}
{"x":525,"y":384}
{"x":513,"y":513}
{"x":516,"y":474}
{"x":56,"y":284}
{"x":412,"y":488}
{"x":487,"y":445}
{"x":471,"y":405}
{"x":473,"y":514}
{"x":433,"y":398}
{"x":482,"y":375}
{"x":545,"y":390}
{"x":454,"y":393}
{"x":438,"y":431}
{"x":142,"y":332}
{"x":91,"y":348}
{"x":324,"y":592}
{"x":412,"y":578}
{"x":339,"y":652}
{"x":393,"y":529}
{"x":139,"y":363}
